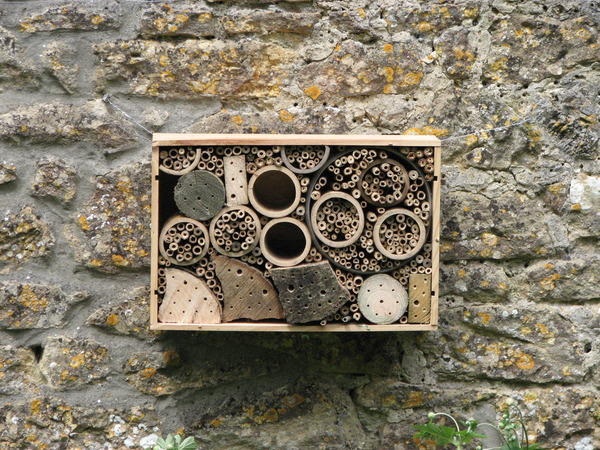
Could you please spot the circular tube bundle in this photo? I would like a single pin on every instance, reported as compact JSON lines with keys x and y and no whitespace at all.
{"x":183,"y":241}
{"x":235,"y":230}
{"x":308,"y":161}
{"x":337,"y":214}
{"x":384,"y":182}
{"x":178,"y":161}
{"x":403,"y":238}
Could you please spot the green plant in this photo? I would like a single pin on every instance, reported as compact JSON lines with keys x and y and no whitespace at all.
{"x":443,"y":435}
{"x":176,"y":442}
{"x":511,"y":429}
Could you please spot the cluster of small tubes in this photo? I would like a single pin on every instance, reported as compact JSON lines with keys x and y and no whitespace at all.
{"x":235,"y":231}
{"x":384,"y":183}
{"x":205,"y":269}
{"x":350,"y":311}
{"x":305,"y":158}
{"x":423,"y":158}
{"x":419,"y":264}
{"x":337,"y":220}
{"x":184,"y":241}
{"x":177,"y":159}
{"x":210,"y":161}
{"x":258,"y":157}
{"x":399,"y":234}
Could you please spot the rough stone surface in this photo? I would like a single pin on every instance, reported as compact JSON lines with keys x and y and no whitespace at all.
{"x":70,"y":362}
{"x":128,"y":317}
{"x":31,"y":305}
{"x":23,"y":236}
{"x":72,"y":16}
{"x":8,"y":173}
{"x":60,"y":61}
{"x":63,"y":123}
{"x":55,"y":179}
{"x":519,"y":305}
{"x":112,"y":232}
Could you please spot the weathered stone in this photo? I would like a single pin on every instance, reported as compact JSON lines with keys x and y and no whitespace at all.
{"x":458,"y":54}
{"x":23,"y":236}
{"x":194,"y":68}
{"x":55,"y":179}
{"x":15,"y":69}
{"x":530,"y":49}
{"x":46,"y":123}
{"x":28,"y":305}
{"x":18,"y":370}
{"x":73,"y":16}
{"x":113,"y":231}
{"x":301,"y":414}
{"x":563,"y":280}
{"x":268,"y":22}
{"x":8,"y":173}
{"x":510,"y":226}
{"x":355,"y":69}
{"x":321,"y":119}
{"x":54,"y":423}
{"x":428,"y":19}
{"x":184,"y":19}
{"x":516,"y":342}
{"x":71,"y":362}
{"x":476,"y":281}
{"x":584,"y":192}
{"x":130,"y":316}
{"x":60,"y":61}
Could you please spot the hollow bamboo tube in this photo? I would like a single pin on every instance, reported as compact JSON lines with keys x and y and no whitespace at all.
{"x":285,"y":242}
{"x":274,"y":191}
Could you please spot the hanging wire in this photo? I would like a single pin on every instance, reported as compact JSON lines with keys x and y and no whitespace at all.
{"x":106,"y":99}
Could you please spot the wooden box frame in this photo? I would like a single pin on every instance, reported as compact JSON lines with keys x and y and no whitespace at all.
{"x":172,"y":139}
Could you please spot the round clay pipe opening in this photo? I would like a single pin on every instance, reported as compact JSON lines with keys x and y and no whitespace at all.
{"x":274,"y":191}
{"x":285,"y":242}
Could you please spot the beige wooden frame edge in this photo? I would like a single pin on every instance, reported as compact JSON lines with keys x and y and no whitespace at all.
{"x":165,"y":139}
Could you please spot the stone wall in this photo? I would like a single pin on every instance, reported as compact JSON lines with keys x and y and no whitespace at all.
{"x":521,"y":261}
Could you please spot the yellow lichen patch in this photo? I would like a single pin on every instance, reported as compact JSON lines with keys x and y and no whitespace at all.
{"x":566,"y":371}
{"x":215,"y":423}
{"x":31,"y":300}
{"x":548,"y":283}
{"x":460,"y":53}
{"x":97,"y":20}
{"x":524,"y":361}
{"x":389,"y":74}
{"x":461,"y":273}
{"x":411,"y":79}
{"x":486,"y":252}
{"x":237,"y":120}
{"x":470,"y":13}
{"x":181,"y":18}
{"x":95,"y":263}
{"x":361,"y":12}
{"x":426,"y":130}
{"x":77,"y":361}
{"x":484,"y":283}
{"x":489,"y":239}
{"x":445,"y":247}
{"x":286,"y":116}
{"x":112,"y":320}
{"x":163,"y":60}
{"x":415,"y":399}
{"x":160,"y":23}
{"x":149,"y":372}
{"x":548,"y":266}
{"x":471,"y":139}
{"x":119,"y":260}
{"x":424,"y":27}
{"x":26,"y":27}
{"x":485,"y":318}
{"x":502,"y":285}
{"x":576,"y":207}
{"x":388,"y":48}
{"x":204,"y":17}
{"x":313,"y":92}
{"x":388,"y":89}
{"x":543,"y":329}
{"x":35,"y":406}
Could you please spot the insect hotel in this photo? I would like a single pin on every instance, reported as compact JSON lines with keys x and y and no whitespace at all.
{"x":295,"y":232}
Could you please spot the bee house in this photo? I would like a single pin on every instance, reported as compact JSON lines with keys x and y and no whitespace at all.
{"x":295,"y":232}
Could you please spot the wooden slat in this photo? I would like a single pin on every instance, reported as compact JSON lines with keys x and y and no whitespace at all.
{"x":282,"y":327}
{"x":419,"y":298}
{"x":435,"y":233}
{"x":292,"y":139}
{"x":154,"y":233}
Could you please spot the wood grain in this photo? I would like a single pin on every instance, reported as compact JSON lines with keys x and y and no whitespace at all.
{"x":382,"y":299}
{"x":419,"y":298}
{"x":247,"y":293}
{"x":309,"y":292}
{"x":236,"y":183}
{"x":188,"y":300}
{"x":199,"y":194}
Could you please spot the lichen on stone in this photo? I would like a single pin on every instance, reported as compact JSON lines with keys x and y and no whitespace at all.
{"x":55,"y":179}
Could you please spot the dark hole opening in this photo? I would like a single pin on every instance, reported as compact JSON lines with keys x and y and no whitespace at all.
{"x":274,"y":190}
{"x":38,"y":351}
{"x":285,"y":240}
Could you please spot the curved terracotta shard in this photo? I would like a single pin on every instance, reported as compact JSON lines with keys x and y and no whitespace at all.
{"x":247,"y":293}
{"x":309,"y":292}
{"x":188,"y":300}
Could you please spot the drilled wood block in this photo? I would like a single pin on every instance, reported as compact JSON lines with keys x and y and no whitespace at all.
{"x":309,"y":292}
{"x":236,"y":184}
{"x":199,"y":194}
{"x":188,"y":300}
{"x":247,"y":293}
{"x":382,"y":299}
{"x":419,"y":298}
